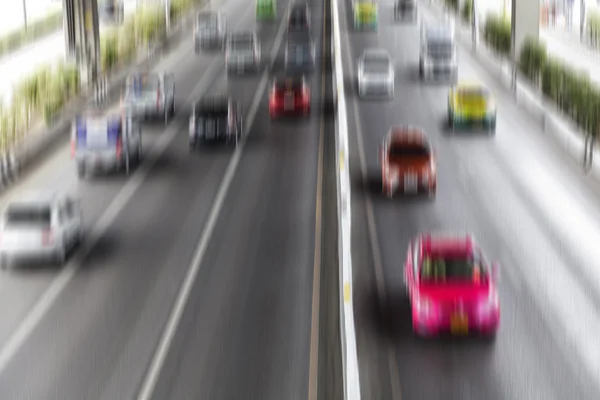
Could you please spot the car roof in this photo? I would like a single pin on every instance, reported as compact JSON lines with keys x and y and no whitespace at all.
{"x":299,"y":7}
{"x":212,"y":105}
{"x":448,"y":243}
{"x":407,"y":134}
{"x":471,"y":86}
{"x":376,"y":54}
{"x":299,"y":38}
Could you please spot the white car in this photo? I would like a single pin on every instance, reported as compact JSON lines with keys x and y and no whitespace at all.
{"x":40,"y":226}
{"x":242,"y":52}
{"x":149,"y":95}
{"x":376,"y":74}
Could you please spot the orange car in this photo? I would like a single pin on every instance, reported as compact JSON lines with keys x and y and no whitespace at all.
{"x":408,"y":162}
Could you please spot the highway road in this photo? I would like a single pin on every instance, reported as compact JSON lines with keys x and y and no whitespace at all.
{"x":529,"y":206}
{"x":203,"y":275}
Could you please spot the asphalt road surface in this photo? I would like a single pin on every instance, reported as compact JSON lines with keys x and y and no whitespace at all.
{"x":248,"y":233}
{"x":530,"y":208}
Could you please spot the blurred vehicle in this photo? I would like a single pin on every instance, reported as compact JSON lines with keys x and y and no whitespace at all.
{"x":111,"y":11}
{"x":210,"y":30}
{"x":105,"y":143}
{"x":406,"y":10}
{"x":149,"y":95}
{"x":438,"y":58}
{"x":299,"y":18}
{"x":375,"y":74}
{"x":242,"y":52}
{"x":289,"y":95}
{"x":365,"y":14}
{"x":300,"y":53}
{"x":472,"y":104}
{"x":215,"y":118}
{"x":451,"y":286}
{"x":40,"y":226}
{"x":408,"y":162}
{"x":266,"y":9}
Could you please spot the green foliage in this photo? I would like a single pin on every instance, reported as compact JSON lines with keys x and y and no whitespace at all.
{"x":20,"y":37}
{"x":452,"y":4}
{"x":593,"y":28}
{"x":467,"y":11}
{"x":44,"y":94}
{"x":532,"y":59}
{"x":497,"y":34}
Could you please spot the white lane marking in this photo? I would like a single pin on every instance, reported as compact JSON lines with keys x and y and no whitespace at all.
{"x":159,"y":357}
{"x":395,"y":386}
{"x":59,"y":283}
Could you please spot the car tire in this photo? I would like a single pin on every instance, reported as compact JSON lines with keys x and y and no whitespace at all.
{"x":80,"y":171}
{"x":61,"y":256}
{"x":139,"y":154}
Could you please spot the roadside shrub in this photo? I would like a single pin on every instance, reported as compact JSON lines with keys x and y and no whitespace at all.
{"x":150,"y":26}
{"x":178,"y":7}
{"x":17,"y":38}
{"x":593,"y":28}
{"x":452,"y":4}
{"x":497,"y":33}
{"x":467,"y":11}
{"x":532,"y":59}
{"x":552,"y":79}
{"x":109,"y":52}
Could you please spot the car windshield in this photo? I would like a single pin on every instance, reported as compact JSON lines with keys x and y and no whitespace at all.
{"x":376,"y":65}
{"x":299,"y":51}
{"x":473,"y":94}
{"x":212,"y":125}
{"x":440,"y":48}
{"x":207,"y":20}
{"x":241,"y":44}
{"x":444,"y":268}
{"x":22,"y":215}
{"x":403,"y":150}
{"x":142,"y":86}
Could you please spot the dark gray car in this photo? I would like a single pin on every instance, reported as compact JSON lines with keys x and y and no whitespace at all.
{"x":300,"y":53}
{"x":210,"y":30}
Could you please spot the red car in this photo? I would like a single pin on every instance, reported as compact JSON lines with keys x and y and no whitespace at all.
{"x":408,"y":162}
{"x":289,"y":95}
{"x":451,"y":286}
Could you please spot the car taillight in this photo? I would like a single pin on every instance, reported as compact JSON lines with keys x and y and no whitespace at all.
{"x":192,"y":125}
{"x":157,"y":99}
{"x":119,"y":146}
{"x":47,"y":237}
{"x":73,"y":145}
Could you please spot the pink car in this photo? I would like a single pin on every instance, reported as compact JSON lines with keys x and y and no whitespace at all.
{"x":451,"y":286}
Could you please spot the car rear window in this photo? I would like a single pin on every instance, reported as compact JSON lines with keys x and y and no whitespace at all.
{"x":377,"y":65}
{"x":403,"y":150}
{"x":288,"y":84}
{"x":28,"y":216}
{"x":453,"y":268}
{"x":473,"y":94}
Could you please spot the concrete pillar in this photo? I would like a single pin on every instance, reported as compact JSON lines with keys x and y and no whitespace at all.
{"x":82,"y":34}
{"x":525,"y":23}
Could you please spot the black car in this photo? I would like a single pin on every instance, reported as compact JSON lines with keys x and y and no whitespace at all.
{"x":299,"y":18}
{"x":215,"y":118}
{"x":300,"y":53}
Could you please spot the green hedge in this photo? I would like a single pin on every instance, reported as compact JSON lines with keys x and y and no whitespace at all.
{"x":532,"y":59}
{"x":593,"y":28}
{"x":452,"y":4}
{"x":467,"y":11}
{"x":44,"y":94}
{"x":497,"y":33}
{"x":20,"y":37}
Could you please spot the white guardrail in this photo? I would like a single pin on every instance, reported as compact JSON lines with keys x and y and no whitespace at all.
{"x":347,"y":331}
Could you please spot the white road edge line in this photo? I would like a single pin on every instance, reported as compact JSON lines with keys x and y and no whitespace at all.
{"x":159,"y":357}
{"x":347,"y":328}
{"x":47,"y":299}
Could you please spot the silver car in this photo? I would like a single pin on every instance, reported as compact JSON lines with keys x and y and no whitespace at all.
{"x":149,"y":95}
{"x":438,"y":58}
{"x":210,"y":30}
{"x":242,"y":52}
{"x":406,"y":10}
{"x":376,"y":74}
{"x":105,"y":143}
{"x":40,"y":226}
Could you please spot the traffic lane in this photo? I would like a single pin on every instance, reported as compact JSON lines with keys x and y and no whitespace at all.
{"x":105,"y":325}
{"x":248,"y":318}
{"x":128,"y":354}
{"x":21,"y":286}
{"x":420,"y":217}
